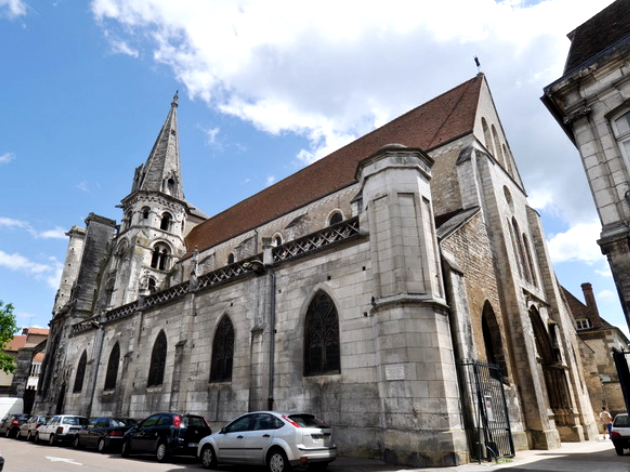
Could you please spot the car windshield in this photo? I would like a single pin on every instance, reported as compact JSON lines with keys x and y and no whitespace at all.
{"x":621,"y":420}
{"x":308,"y":421}
{"x":75,"y":420}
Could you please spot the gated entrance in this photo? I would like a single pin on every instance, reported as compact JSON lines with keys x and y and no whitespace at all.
{"x":486,"y":416}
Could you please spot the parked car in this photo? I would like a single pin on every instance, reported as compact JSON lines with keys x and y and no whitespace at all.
{"x":620,"y":434}
{"x":60,"y":429}
{"x":1,"y":462}
{"x":10,"y":425}
{"x":103,"y":433}
{"x":277,"y":440}
{"x":166,"y":434}
{"x":28,"y":429}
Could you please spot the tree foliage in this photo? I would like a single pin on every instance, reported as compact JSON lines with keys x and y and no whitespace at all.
{"x":8,"y":328}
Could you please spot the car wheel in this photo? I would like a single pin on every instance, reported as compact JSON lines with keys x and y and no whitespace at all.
{"x":101,"y":445}
{"x":277,"y":461}
{"x":51,"y":440}
{"x":208,"y":459}
{"x":76,"y":442}
{"x":125,"y":449}
{"x":619,"y":450}
{"x":161,"y":452}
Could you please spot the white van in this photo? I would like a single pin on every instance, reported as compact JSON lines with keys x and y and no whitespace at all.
{"x":11,"y":406}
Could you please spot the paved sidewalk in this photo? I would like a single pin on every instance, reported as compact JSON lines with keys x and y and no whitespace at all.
{"x":521,"y":458}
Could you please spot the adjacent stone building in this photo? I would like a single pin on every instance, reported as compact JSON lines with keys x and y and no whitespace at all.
{"x":599,"y":338}
{"x":399,"y":288}
{"x":591,"y":101}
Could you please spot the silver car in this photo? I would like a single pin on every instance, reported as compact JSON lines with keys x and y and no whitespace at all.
{"x":275,"y":439}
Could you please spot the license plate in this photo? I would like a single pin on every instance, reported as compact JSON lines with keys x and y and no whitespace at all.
{"x":193,"y":444}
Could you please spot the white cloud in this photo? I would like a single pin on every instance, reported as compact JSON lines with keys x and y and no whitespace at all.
{"x":7,"y":156}
{"x":331,"y":71}
{"x":56,"y":233}
{"x":20,"y":263}
{"x":270,"y":180}
{"x":576,"y":244}
{"x":12,"y":8}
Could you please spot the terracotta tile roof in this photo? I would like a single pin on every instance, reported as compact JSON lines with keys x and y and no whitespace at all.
{"x":18,"y":342}
{"x":39,"y":331}
{"x":599,"y":34}
{"x":438,"y":121}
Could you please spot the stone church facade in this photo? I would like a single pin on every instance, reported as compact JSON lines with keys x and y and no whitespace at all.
{"x":366,"y":288}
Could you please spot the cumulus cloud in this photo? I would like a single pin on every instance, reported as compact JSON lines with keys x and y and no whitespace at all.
{"x":49,"y":272}
{"x":12,"y":8}
{"x":576,"y":244}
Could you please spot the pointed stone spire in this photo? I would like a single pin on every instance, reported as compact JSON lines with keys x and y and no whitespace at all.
{"x":162,"y":171}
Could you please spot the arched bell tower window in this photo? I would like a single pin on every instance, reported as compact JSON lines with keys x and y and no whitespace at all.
{"x":151,"y":285}
{"x":160,"y":257}
{"x":321,"y":337}
{"x":335,"y":217}
{"x":165,"y":222}
{"x":222,"y":352}
{"x":158,"y":361}
{"x":145,"y":214}
{"x":78,"y":380}
{"x":112,"y":368}
{"x":170,"y":186}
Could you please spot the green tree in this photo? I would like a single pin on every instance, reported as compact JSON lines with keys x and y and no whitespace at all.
{"x":8,"y":328}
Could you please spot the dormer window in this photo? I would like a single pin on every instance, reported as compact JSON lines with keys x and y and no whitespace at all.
{"x":582,"y":323}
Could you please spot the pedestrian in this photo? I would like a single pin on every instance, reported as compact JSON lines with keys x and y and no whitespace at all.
{"x":606,"y":419}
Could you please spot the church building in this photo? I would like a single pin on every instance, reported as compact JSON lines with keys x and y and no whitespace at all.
{"x":399,"y":288}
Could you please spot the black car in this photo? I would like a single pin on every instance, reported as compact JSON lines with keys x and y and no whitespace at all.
{"x":103,"y":433}
{"x":166,"y":434}
{"x":10,"y":425}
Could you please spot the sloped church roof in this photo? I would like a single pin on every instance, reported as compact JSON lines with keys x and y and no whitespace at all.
{"x":428,"y":126}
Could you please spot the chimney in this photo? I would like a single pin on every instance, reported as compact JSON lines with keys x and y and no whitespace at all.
{"x":591,"y":305}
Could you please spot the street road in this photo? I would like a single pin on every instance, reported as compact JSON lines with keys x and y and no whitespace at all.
{"x":22,"y":456}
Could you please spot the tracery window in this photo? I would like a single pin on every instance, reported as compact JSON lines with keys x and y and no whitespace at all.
{"x":78,"y":380}
{"x":158,"y":361}
{"x":222,"y":352}
{"x":321,"y":337}
{"x":112,"y":368}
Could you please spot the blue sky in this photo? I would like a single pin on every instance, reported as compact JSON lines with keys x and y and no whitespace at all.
{"x":264,"y":90}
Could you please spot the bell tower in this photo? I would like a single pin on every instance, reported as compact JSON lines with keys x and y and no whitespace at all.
{"x":155,"y":213}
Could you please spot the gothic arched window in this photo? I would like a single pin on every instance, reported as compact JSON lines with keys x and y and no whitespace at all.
{"x":222,"y":352}
{"x":78,"y":380}
{"x":112,"y":368}
{"x":158,"y":361}
{"x":145,"y":214}
{"x":321,"y":337}
{"x":160,"y":257}
{"x":231,"y":258}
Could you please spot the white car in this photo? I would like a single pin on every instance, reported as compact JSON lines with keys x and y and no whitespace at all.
{"x":275,"y":439}
{"x":60,"y":428}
